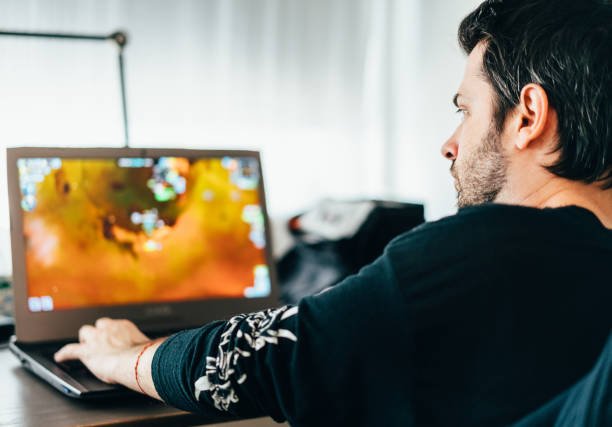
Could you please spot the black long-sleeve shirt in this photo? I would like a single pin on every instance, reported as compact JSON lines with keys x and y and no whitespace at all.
{"x":476,"y":319}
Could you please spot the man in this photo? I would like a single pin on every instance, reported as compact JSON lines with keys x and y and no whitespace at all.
{"x":477,"y":319}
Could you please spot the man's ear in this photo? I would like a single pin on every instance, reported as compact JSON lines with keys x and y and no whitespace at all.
{"x":532,"y":115}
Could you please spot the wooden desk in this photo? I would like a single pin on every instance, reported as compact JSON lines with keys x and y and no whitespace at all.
{"x":28,"y":401}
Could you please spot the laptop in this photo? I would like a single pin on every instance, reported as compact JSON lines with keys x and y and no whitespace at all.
{"x":169,"y":239}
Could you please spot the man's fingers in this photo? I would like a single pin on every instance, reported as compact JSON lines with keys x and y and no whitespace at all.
{"x":68,"y":352}
{"x":86,"y":332}
{"x":103,"y":322}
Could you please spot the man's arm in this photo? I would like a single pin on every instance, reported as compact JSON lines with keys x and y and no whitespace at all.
{"x":313,"y":364}
{"x":200,"y":370}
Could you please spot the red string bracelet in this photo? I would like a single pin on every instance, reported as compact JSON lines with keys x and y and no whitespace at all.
{"x":147,"y":345}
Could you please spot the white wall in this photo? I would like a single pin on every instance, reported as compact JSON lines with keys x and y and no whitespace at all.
{"x":426,"y":114}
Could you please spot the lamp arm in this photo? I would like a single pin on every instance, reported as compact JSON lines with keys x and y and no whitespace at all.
{"x":119,"y":38}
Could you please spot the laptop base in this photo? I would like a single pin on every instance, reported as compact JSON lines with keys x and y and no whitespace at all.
{"x":73,"y":382}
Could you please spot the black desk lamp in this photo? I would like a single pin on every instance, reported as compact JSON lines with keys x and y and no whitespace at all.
{"x":119,"y":37}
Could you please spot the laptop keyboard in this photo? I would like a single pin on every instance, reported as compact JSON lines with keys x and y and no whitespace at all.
{"x":79,"y":372}
{"x":71,"y":366}
{"x":76,"y":369}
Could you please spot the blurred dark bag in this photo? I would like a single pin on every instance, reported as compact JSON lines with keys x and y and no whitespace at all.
{"x":336,"y":239}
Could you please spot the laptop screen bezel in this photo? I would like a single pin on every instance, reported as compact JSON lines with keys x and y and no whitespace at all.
{"x":150,"y":317}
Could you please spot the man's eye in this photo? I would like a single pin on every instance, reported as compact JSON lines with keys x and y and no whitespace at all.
{"x":462,"y":112}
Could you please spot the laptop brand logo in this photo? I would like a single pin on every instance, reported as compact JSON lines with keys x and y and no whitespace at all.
{"x":158,"y":311}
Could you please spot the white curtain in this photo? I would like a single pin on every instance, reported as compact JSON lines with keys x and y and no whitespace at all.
{"x":331,"y":91}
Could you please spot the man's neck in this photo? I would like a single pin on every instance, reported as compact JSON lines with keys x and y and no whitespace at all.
{"x":554,"y":192}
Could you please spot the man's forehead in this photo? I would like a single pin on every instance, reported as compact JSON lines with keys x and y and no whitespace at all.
{"x":473,"y":65}
{"x":473,"y":78}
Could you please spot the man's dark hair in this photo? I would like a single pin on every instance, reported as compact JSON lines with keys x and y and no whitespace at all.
{"x":565,"y":46}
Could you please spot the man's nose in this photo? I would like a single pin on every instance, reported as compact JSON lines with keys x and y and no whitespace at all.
{"x":450,"y":148}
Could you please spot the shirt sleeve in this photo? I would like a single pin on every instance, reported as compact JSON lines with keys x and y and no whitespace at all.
{"x":295,"y":363}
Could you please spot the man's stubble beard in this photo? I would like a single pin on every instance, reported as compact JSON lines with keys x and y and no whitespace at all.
{"x":482,"y":176}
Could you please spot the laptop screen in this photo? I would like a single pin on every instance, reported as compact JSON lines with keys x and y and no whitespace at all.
{"x":131,"y":230}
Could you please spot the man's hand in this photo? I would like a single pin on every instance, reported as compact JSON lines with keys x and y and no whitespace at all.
{"x":110,"y":350}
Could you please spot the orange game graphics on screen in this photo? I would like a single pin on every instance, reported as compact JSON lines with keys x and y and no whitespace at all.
{"x":140,"y":230}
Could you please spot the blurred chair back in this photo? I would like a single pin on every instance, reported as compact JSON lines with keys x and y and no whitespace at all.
{"x":586,"y":404}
